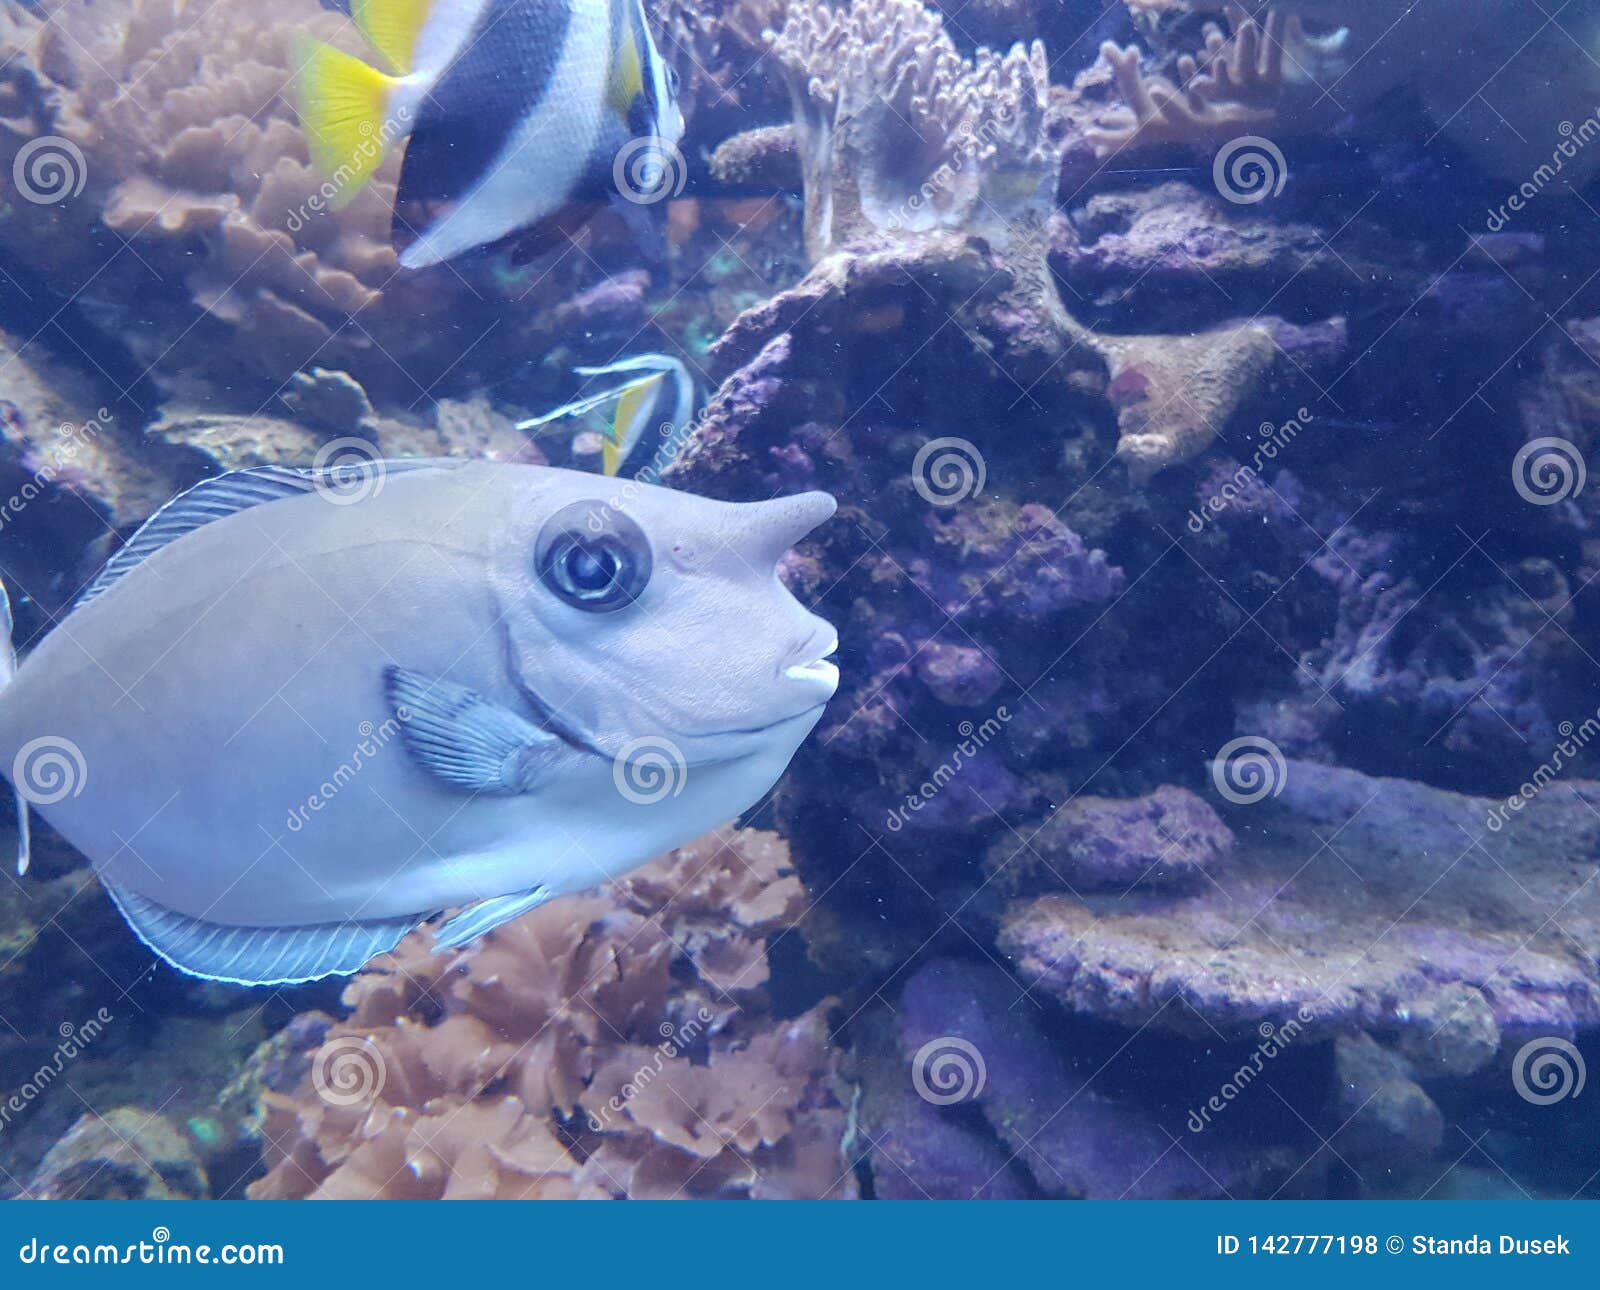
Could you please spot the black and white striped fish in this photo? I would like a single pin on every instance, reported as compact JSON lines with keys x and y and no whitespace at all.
{"x":519,"y":117}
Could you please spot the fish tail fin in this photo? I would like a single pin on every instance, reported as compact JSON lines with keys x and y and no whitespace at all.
{"x":344,"y":108}
{"x":393,"y":27}
{"x":8,"y":669}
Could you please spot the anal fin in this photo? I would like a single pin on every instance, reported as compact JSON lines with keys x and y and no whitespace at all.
{"x":485,"y":916}
{"x":256,"y":955}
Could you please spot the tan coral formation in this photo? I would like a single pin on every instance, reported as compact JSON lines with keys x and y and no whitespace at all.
{"x":607,"y":1045}
{"x":1173,"y":395}
{"x":898,"y":134}
{"x":1232,"y":86}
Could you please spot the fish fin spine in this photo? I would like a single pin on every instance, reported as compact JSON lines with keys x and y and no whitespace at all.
{"x":344,"y":109}
{"x":393,"y":27}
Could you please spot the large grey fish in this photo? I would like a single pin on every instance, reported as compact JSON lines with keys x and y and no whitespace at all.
{"x":303,"y":711}
{"x":519,"y":116}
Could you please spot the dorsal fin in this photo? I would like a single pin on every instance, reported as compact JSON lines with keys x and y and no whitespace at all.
{"x":224,"y":495}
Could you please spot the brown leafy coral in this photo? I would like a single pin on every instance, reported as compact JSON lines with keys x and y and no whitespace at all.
{"x":607,"y":1045}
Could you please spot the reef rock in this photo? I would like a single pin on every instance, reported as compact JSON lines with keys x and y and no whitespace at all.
{"x":1361,"y":903}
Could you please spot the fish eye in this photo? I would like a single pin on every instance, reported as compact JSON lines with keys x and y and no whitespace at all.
{"x":673,"y":81}
{"x":593,"y":557}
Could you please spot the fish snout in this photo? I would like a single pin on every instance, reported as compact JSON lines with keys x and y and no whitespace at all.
{"x":771,"y":528}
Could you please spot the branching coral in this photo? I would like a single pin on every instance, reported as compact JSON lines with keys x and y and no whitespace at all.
{"x":1233,"y":85}
{"x":615,"y":1044}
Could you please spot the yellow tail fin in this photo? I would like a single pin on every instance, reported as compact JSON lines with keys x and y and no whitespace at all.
{"x":344,"y":108}
{"x":629,"y":424}
{"x":392,"y":26}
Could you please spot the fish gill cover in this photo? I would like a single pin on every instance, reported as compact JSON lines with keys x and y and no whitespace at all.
{"x":1207,"y":807}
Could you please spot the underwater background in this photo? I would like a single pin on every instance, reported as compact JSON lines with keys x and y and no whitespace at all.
{"x":1207,"y":807}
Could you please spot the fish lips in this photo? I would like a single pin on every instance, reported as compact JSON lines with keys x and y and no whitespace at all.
{"x":813,"y":673}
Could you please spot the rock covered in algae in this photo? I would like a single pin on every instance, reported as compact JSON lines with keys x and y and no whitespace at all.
{"x":1415,"y":905}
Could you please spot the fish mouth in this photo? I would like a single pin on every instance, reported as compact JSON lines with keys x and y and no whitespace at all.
{"x":818,"y":673}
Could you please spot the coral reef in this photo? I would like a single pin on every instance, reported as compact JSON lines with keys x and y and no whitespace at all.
{"x":1417,"y":897}
{"x":1128,"y":469}
{"x":606,"y":1045}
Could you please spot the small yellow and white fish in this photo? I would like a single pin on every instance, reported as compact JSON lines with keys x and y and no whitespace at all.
{"x":659,"y":393}
{"x":519,"y":116}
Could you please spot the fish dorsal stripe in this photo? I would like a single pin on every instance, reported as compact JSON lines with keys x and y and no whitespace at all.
{"x":224,"y":495}
{"x":256,"y":955}
{"x":393,"y":27}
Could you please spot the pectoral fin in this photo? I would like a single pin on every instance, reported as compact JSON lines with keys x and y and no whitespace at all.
{"x":466,"y":741}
